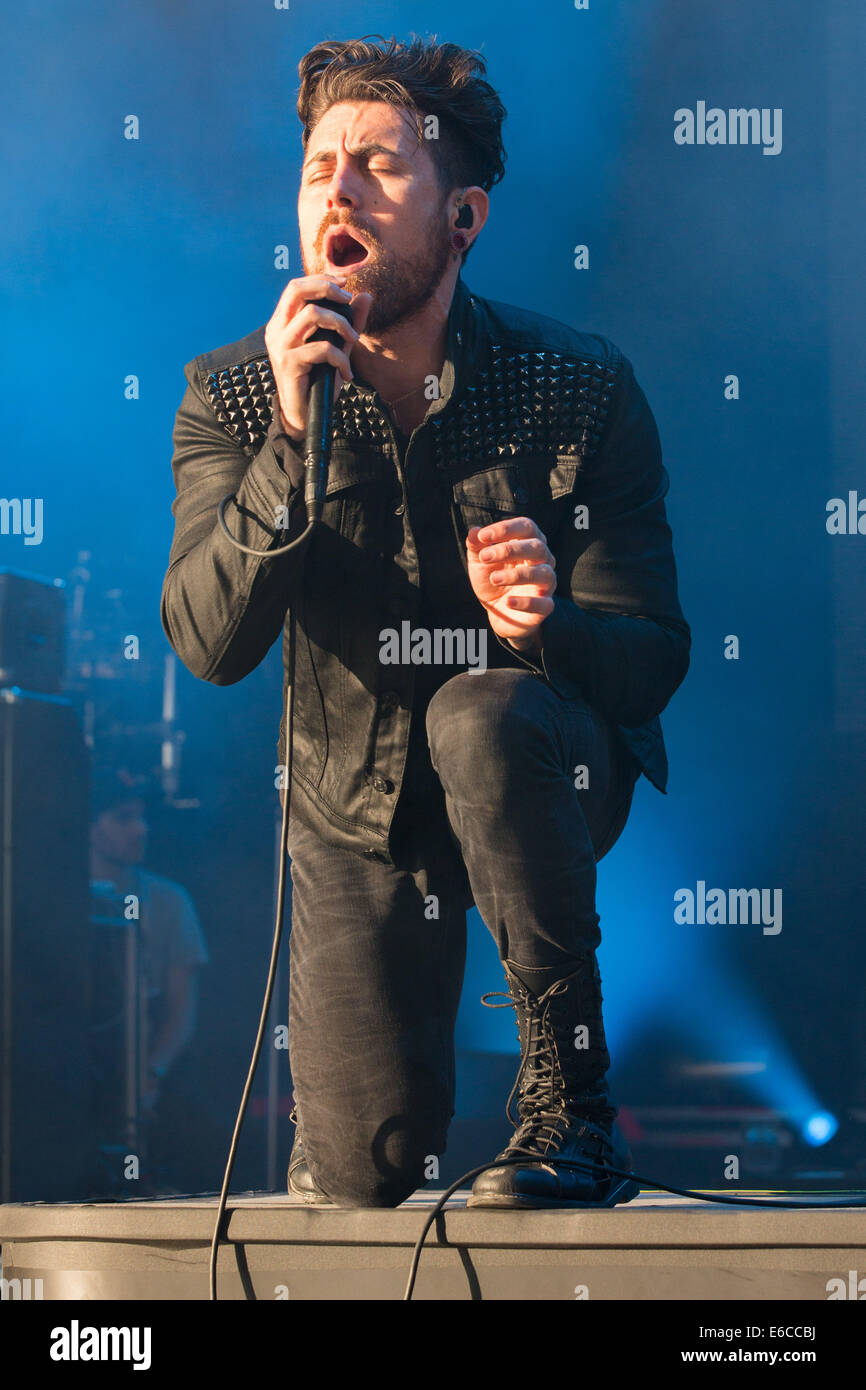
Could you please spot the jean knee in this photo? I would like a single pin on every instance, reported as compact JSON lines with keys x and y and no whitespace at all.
{"x":358,"y":1190}
{"x":382,"y":1174}
{"x":498,"y":710}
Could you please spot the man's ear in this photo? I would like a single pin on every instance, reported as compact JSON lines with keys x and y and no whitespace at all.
{"x":468,"y":211}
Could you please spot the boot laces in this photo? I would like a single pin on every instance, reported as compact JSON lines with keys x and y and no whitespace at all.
{"x":543,"y":1132}
{"x":543,"y":1099}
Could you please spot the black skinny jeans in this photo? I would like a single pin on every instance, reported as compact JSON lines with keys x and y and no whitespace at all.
{"x":378,"y":950}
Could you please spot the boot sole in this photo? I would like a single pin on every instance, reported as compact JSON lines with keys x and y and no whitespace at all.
{"x":623,"y":1192}
{"x":310,"y":1201}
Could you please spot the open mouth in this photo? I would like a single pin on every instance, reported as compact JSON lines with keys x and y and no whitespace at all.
{"x":342,"y":248}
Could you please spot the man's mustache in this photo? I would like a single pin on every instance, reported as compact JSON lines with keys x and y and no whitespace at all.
{"x":335,"y":220}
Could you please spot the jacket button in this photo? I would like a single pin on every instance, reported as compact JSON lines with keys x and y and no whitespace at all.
{"x":383,"y":784}
{"x":399,"y":510}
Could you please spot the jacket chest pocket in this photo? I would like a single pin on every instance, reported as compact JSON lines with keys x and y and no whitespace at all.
{"x":538,"y":486}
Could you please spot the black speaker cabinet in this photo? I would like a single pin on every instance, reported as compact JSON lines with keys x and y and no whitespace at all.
{"x":44,"y":904}
{"x":32,"y":631}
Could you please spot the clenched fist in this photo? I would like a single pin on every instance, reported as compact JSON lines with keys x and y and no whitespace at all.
{"x":292,"y":355}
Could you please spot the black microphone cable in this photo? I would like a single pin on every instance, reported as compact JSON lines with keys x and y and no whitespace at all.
{"x":272,"y":967}
{"x":525,"y":1161}
{"x":317,"y":451}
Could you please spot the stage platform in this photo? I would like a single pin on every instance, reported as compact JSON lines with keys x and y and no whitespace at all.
{"x":655,"y":1247}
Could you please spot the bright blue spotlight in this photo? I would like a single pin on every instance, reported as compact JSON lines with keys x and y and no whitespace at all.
{"x":820,"y":1128}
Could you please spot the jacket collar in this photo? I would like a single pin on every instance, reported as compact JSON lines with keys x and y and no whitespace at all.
{"x":461,"y":352}
{"x":465,"y":337}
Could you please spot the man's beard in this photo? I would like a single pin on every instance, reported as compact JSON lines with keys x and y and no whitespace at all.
{"x":401,"y":285}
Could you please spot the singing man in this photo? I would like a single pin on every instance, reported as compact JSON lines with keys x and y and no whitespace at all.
{"x":496,"y":486}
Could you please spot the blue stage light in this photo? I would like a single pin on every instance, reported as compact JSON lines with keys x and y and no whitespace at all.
{"x":820,"y":1128}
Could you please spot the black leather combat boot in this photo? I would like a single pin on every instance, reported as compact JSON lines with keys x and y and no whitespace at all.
{"x":300,"y":1179}
{"x":565,"y":1128}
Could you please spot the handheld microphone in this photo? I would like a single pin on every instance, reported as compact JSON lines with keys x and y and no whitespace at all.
{"x":320,"y":411}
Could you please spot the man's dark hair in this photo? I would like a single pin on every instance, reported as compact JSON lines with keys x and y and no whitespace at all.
{"x":425,"y":78}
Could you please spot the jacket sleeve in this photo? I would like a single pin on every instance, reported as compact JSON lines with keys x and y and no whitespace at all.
{"x":617,"y":636}
{"x":221,"y":609}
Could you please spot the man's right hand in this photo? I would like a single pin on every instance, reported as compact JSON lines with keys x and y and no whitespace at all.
{"x":292,"y":355}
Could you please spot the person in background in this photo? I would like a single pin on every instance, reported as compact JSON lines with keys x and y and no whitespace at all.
{"x":172,"y":943}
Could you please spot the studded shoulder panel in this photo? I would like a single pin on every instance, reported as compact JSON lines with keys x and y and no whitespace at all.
{"x":240,"y":397}
{"x":517,"y":402}
{"x":529,"y":402}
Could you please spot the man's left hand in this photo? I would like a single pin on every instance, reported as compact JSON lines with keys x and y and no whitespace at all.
{"x":513,"y":576}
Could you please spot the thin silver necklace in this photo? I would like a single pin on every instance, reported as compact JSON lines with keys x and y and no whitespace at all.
{"x":391,"y":404}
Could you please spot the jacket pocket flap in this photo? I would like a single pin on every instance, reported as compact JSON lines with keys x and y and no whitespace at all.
{"x":500,"y":488}
{"x":508,"y":487}
{"x":348,"y":468}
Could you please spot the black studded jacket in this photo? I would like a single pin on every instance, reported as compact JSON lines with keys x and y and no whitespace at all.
{"x":533,"y":419}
